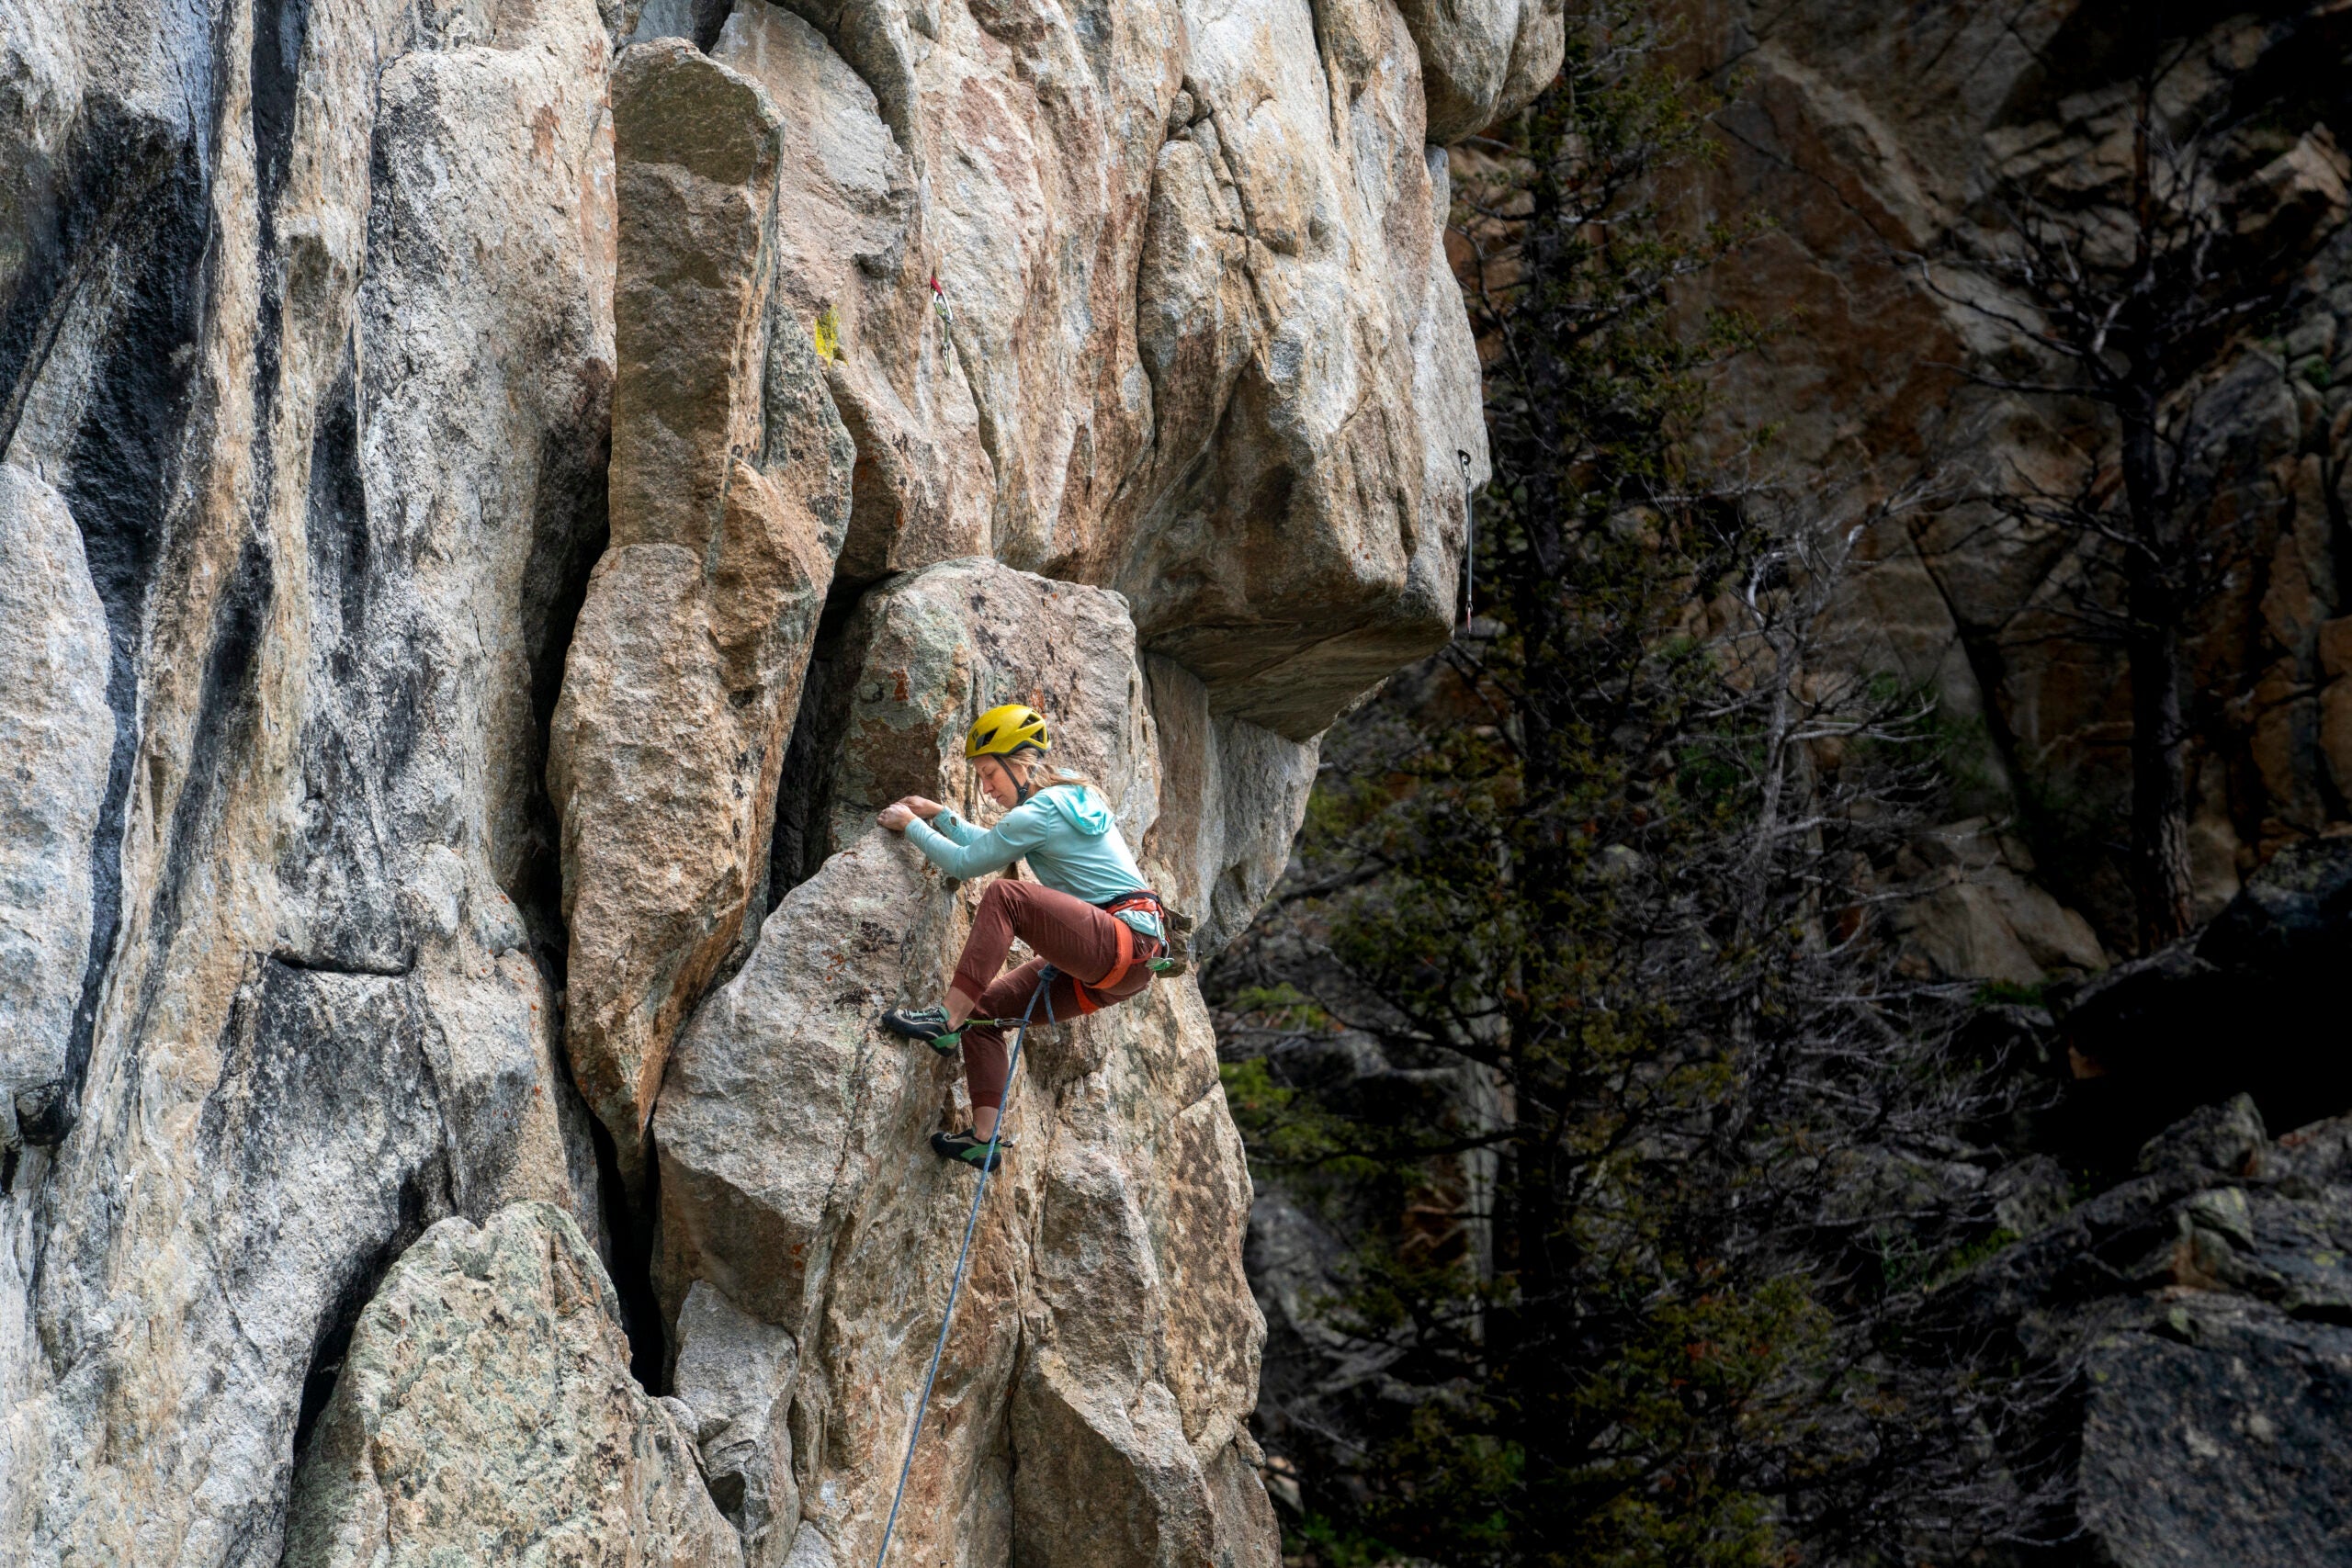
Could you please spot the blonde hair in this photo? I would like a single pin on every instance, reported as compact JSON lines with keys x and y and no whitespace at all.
{"x":1060,"y":778}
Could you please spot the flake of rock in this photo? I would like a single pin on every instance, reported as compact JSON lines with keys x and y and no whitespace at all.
{"x":736,"y":1375}
{"x":731,"y":499}
{"x":57,"y":734}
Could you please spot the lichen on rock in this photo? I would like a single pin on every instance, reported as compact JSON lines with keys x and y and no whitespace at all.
{"x":485,"y":1413}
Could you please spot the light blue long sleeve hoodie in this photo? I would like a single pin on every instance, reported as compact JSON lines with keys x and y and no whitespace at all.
{"x":1066,"y":836}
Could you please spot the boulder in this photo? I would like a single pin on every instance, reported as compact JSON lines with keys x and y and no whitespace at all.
{"x":2144,"y":1033}
{"x":783,"y":1098}
{"x":731,"y":499}
{"x":934,"y":650}
{"x":1485,"y":60}
{"x":58,"y":734}
{"x":485,"y":1413}
{"x":2217,"y":1437}
{"x":2197,"y":1308}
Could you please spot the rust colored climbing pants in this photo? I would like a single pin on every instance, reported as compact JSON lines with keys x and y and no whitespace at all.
{"x":1070,"y":933}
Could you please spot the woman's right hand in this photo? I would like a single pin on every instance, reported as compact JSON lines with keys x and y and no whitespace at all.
{"x":896,"y":815}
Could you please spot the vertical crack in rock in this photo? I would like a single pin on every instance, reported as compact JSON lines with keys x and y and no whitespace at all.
{"x":569,"y":529}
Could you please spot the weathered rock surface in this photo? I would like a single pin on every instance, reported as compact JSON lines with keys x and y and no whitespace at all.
{"x":462,"y":430}
{"x":317,"y":357}
{"x":485,"y":1414}
{"x":2200,"y":1303}
{"x":737,"y":1374}
{"x":1876,"y":136}
{"x":730,"y":500}
{"x":1106,"y":1348}
{"x":935,"y":648}
{"x":1485,"y":59}
{"x":56,"y":734}
{"x":1972,"y":909}
{"x":1301,"y":333}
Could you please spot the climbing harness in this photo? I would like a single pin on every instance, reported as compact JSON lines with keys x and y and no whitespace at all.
{"x":1046,"y":976}
{"x":1160,"y":963}
{"x":1470,"y":541}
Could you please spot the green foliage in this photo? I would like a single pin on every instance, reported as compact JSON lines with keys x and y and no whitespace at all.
{"x":1964,"y":1259}
{"x":1591,"y":912}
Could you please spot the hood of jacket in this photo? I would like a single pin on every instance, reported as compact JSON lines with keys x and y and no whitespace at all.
{"x":1084,"y":809}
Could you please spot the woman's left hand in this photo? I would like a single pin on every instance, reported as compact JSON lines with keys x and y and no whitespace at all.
{"x":895,"y":816}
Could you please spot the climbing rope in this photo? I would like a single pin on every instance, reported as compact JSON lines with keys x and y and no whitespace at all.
{"x":1046,"y":975}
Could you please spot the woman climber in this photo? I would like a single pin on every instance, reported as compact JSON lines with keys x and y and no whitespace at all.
{"x":1088,"y":913}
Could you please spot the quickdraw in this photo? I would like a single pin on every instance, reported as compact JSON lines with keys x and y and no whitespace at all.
{"x":1469,"y":542}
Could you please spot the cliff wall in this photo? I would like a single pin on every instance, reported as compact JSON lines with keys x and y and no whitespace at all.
{"x":1883,"y":145}
{"x":493,"y":493}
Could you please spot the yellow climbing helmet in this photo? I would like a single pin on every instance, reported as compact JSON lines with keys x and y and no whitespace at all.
{"x":1004,"y":730}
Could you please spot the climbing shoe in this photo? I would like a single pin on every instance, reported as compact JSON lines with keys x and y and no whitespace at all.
{"x":927,"y":1024}
{"x":969,"y":1147}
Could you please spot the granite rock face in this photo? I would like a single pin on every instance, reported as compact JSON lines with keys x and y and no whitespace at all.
{"x":489,"y":494}
{"x":57,"y":734}
{"x":1092,"y":1397}
{"x":485,"y":1413}
{"x":306,"y":328}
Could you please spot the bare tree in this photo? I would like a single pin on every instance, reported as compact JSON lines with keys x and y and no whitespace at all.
{"x":2125,"y":300}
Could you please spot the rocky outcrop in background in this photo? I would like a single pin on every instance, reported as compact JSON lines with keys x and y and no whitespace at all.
{"x":2164,"y":1249}
{"x":491,"y":494}
{"x":1877,"y":142}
